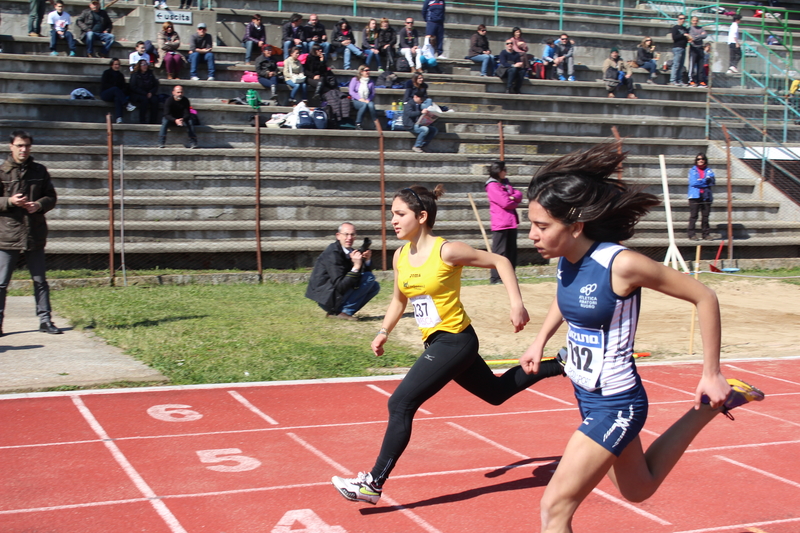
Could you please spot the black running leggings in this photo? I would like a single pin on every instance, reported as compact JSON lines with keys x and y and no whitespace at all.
{"x":447,"y":356}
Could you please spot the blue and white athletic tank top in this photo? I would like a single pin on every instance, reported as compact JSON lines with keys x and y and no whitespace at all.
{"x":602,"y":325}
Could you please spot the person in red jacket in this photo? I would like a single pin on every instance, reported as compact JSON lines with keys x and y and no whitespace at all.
{"x":503,"y":202}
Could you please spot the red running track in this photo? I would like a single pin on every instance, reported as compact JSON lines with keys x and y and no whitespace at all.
{"x":258,"y":458}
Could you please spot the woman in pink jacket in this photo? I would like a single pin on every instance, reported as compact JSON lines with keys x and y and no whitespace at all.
{"x":503,"y":202}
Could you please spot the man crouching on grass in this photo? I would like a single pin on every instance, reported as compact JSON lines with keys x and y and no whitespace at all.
{"x":342,"y":281}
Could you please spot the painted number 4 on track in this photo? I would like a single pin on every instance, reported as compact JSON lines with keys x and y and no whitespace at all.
{"x":306,"y":518}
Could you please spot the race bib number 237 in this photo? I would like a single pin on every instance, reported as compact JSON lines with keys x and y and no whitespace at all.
{"x":425,"y":311}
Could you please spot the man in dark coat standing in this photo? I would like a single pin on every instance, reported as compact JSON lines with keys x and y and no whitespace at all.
{"x":342,"y":281}
{"x":26,"y":194}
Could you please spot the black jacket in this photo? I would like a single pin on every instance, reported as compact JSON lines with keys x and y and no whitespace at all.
{"x":289,"y":32}
{"x":113,"y":78}
{"x":332,"y":278}
{"x":387,"y":36}
{"x":680,"y":37}
{"x":264,"y":65}
{"x":315,"y":66}
{"x":174,"y":110}
{"x":408,"y":96}
{"x":85,"y":21}
{"x":411,"y":113}
{"x":143,"y":83}
{"x":20,"y":230}
{"x":317,"y":31}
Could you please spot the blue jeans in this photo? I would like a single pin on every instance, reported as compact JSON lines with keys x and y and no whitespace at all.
{"x":678,"y":56}
{"x":288,"y":45}
{"x":650,"y":66}
{"x":362,"y":107}
{"x":514,"y":78}
{"x":67,"y":37}
{"x":116,"y":95}
{"x":106,"y":38}
{"x":349,"y":50}
{"x":37,"y":268}
{"x":165,"y":123}
{"x":372,"y":54}
{"x":487,"y":64}
{"x":355,"y":299}
{"x":248,"y":50}
{"x":425,"y":134}
{"x":196,"y":57}
{"x":268,"y":83}
{"x":296,"y":88}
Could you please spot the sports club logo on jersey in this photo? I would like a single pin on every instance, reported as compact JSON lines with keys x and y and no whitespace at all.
{"x":586,"y":300}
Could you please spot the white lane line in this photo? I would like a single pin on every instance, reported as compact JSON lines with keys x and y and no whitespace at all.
{"x":42,"y":444}
{"x":742,"y":446}
{"x":741,"y":526}
{"x":667,"y":387}
{"x":410,"y":515}
{"x":244,"y":401}
{"x":388,"y":394}
{"x":489,"y":441}
{"x":333,"y":464}
{"x":71,"y":506}
{"x":631,"y":507}
{"x":762,"y":375}
{"x":553,"y":398}
{"x":159,"y":506}
{"x":759,"y":471}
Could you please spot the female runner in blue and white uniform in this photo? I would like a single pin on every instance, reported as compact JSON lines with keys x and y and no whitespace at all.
{"x":579,"y":214}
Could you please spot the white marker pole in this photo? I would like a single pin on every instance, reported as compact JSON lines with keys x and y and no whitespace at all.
{"x":673,"y":255}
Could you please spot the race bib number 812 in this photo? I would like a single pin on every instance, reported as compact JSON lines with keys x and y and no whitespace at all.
{"x":585,"y":359}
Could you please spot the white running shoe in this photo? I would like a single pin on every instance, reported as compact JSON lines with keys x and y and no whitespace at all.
{"x":358,"y":489}
{"x":195,"y":78}
{"x":130,"y":107}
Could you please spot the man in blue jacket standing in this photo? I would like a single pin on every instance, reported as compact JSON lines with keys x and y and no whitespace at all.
{"x":433,"y":15}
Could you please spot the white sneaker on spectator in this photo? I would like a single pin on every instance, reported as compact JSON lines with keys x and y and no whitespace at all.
{"x":441,"y":57}
{"x":211,"y":78}
{"x":119,"y":120}
{"x":194,"y":78}
{"x":130,"y":107}
{"x":417,"y":149}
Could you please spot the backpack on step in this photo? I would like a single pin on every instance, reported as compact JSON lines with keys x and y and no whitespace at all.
{"x":304,"y":120}
{"x":401,"y":65}
{"x":320,"y":119}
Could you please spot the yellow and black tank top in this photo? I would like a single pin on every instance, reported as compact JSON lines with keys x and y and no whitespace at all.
{"x":434,"y":291}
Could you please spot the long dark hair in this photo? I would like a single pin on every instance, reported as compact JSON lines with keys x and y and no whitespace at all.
{"x":496,"y":168}
{"x":578,"y":188}
{"x":420,"y":199}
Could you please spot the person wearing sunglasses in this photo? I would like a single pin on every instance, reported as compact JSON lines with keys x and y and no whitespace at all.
{"x":512,"y":68}
{"x":480,"y":53}
{"x":701,"y":179}
{"x":564,"y":55}
{"x":409,"y":47}
{"x":646,"y":58}
{"x":680,"y":38}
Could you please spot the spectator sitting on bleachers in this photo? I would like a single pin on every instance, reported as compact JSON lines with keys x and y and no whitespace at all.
{"x":646,"y":58}
{"x":168,"y":43}
{"x":137,"y":54}
{"x":59,"y":29}
{"x":362,"y":92}
{"x":114,"y":88}
{"x":200,"y":46}
{"x":513,"y":70}
{"x":294,"y":75}
{"x":409,"y":45}
{"x":315,"y":34}
{"x":294,"y":35}
{"x":316,"y":69}
{"x":479,"y":51}
{"x":428,"y":55}
{"x":416,"y":84}
{"x":412,"y":111}
{"x":177,"y":112}
{"x":548,"y":58}
{"x":144,"y":92}
{"x":254,"y":38}
{"x":520,"y":46}
{"x":616,"y":74}
{"x":387,"y":39}
{"x":267,"y":71}
{"x":369,"y":43}
{"x":696,"y":53}
{"x":433,"y":15}
{"x":565,"y":54}
{"x":95,"y":25}
{"x":344,"y":42}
